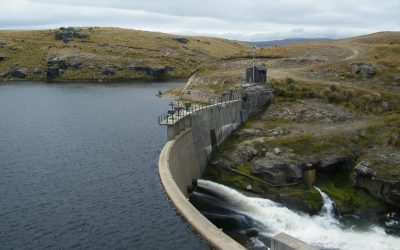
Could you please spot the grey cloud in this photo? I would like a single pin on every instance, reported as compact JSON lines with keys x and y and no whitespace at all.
{"x":235,"y":19}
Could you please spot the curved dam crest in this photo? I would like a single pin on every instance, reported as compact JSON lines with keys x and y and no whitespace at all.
{"x":192,"y":139}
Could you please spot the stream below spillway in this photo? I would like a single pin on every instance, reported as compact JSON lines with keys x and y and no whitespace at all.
{"x":256,"y":220}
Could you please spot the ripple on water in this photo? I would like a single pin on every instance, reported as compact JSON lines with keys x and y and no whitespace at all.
{"x":78,"y":169}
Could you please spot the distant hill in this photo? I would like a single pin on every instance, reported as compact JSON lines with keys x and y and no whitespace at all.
{"x":265,"y":44}
{"x":106,"y":54}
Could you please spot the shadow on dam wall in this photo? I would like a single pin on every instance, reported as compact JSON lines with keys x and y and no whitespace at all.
{"x":192,"y":139}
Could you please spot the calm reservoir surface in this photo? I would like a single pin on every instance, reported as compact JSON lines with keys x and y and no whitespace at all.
{"x":78,"y":168}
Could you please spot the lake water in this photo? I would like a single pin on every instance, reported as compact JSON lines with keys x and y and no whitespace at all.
{"x":78,"y":168}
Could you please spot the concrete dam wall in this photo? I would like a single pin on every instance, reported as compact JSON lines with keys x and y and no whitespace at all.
{"x":192,"y":138}
{"x":208,"y":127}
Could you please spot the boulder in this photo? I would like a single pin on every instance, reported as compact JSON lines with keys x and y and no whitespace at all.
{"x":53,"y":68}
{"x":108,"y":71}
{"x":2,"y":57}
{"x":277,"y":151}
{"x":52,"y":72}
{"x":276,"y":172}
{"x":58,"y":62}
{"x":223,"y":163}
{"x":366,"y":71}
{"x":18,"y":72}
{"x":62,"y":64}
{"x":76,"y":64}
{"x":246,"y":151}
{"x":2,"y":45}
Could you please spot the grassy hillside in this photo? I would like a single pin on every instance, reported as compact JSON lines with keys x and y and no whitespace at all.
{"x":94,"y":54}
{"x":337,"y":104}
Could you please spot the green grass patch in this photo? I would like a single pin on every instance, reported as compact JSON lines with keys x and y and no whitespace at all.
{"x":308,"y":144}
{"x":384,"y":131}
{"x":354,"y":98}
{"x":225,"y":177}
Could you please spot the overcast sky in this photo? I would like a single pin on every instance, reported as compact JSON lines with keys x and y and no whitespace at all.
{"x":252,"y":20}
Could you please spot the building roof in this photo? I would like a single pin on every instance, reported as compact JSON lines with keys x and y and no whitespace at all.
{"x":257,"y":68}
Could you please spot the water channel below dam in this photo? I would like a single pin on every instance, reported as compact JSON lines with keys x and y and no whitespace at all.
{"x":253,"y":221}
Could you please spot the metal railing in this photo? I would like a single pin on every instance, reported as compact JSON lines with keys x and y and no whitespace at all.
{"x":179,"y":109}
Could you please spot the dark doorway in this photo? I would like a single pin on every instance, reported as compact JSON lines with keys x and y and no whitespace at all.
{"x":213,"y":137}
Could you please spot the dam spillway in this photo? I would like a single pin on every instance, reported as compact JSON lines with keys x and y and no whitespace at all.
{"x":323,"y":230}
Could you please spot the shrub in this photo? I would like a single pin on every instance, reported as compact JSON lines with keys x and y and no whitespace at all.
{"x":289,"y":81}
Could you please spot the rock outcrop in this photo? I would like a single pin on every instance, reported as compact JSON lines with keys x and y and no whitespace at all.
{"x":255,"y":98}
{"x":367,"y":176}
{"x":17,"y":72}
{"x":52,"y":71}
{"x":276,"y":172}
{"x":108,"y":71}
{"x":152,"y":71}
{"x":396,"y":79}
{"x":76,"y":63}
{"x":181,"y":40}
{"x":366,"y":71}
{"x":37,"y":71}
{"x":309,"y":110}
{"x":66,"y":34}
{"x":53,"y":68}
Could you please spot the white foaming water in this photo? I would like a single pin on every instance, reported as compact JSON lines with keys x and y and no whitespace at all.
{"x":322,"y":230}
{"x":327,"y":208}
